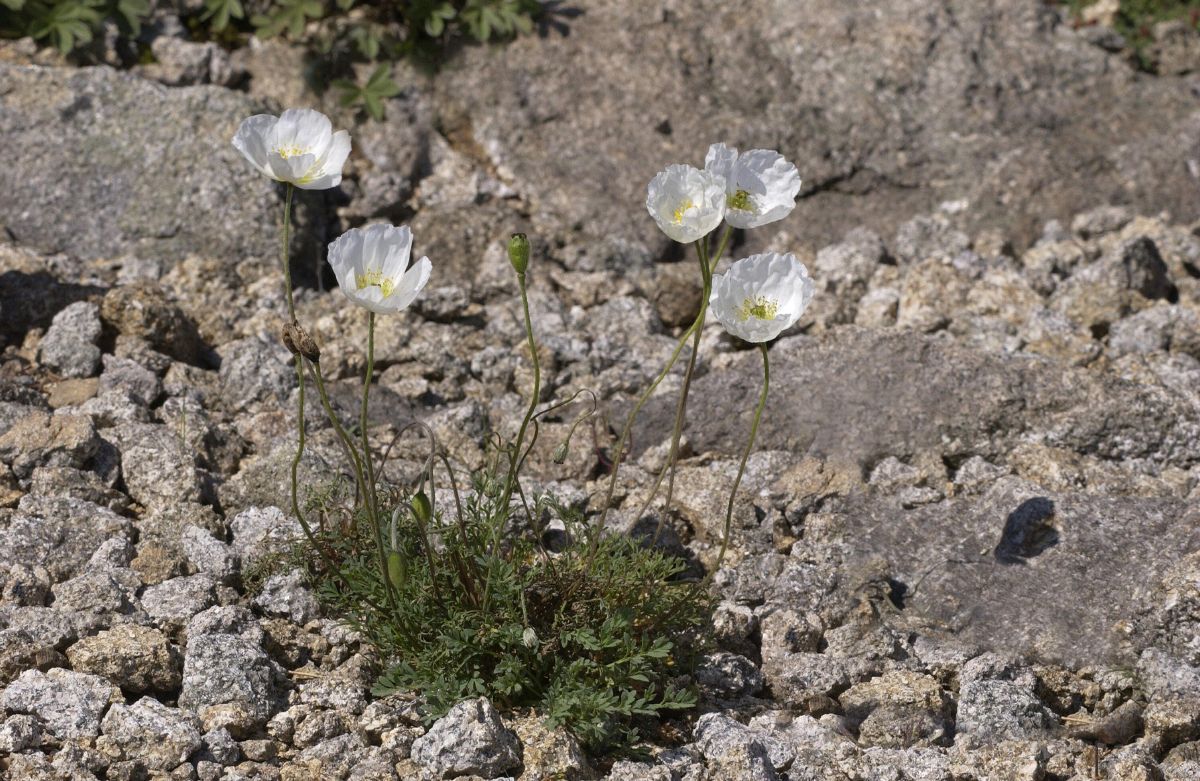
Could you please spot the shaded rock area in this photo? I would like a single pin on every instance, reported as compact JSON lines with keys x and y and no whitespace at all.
{"x":966,"y":547}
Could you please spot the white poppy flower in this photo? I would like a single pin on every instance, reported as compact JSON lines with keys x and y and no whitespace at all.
{"x":760,"y":185}
{"x":761,"y":295}
{"x":298,"y":147}
{"x":370,"y":267}
{"x":687,"y":203}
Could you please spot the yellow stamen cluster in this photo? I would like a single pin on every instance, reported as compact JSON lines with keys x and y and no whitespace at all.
{"x":683,"y":207}
{"x":761,"y":308}
{"x":375,"y":279}
{"x":289,"y":151}
{"x":740,"y":201}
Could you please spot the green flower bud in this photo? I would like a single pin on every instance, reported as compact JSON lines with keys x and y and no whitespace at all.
{"x":422,"y":508}
{"x":518,"y":252}
{"x":397,"y":569}
{"x":560,"y":452}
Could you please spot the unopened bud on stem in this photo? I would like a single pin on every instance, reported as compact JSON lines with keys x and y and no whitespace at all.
{"x":421,"y":508}
{"x":518,"y":252}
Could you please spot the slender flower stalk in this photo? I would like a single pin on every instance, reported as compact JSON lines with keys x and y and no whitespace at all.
{"x":300,"y":149}
{"x":681,"y":405}
{"x":737,"y":481}
{"x":518,"y":255}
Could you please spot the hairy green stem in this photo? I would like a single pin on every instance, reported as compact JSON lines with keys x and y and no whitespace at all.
{"x":619,"y":451}
{"x":287,"y":252}
{"x":515,"y":458}
{"x":370,"y":498}
{"x":681,"y":406}
{"x":737,"y":481}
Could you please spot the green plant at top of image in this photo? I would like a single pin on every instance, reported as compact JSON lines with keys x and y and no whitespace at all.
{"x":338,"y":33}
{"x":68,"y":25}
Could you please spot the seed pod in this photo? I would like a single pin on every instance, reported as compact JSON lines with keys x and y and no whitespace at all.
{"x":287,"y":335}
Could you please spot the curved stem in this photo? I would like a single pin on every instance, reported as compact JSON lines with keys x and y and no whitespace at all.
{"x":758,"y":411}
{"x":343,"y":436}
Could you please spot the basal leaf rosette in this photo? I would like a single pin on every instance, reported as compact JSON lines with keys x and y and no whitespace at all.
{"x":371,"y":266}
{"x":298,"y":147}
{"x":761,"y":296}
{"x":686,"y":202}
{"x":760,"y":185}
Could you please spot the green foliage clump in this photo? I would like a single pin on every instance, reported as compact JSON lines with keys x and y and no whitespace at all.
{"x":1135,"y":20}
{"x":69,"y":24}
{"x":596,"y":636}
{"x":337,"y":32}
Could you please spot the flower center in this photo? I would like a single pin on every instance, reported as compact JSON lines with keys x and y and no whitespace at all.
{"x":375,"y":279}
{"x":761,"y":308}
{"x":683,"y":207}
{"x":289,"y":151}
{"x":740,"y":201}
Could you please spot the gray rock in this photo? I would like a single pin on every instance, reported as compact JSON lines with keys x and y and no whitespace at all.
{"x":59,"y":533}
{"x":226,"y":620}
{"x":179,"y":62}
{"x":729,"y":676}
{"x":254,"y":370}
{"x":469,"y":740}
{"x":209,"y":555}
{"x":259,"y":531}
{"x":288,"y":594}
{"x":69,"y":346}
{"x":228,"y":681}
{"x":49,"y":440}
{"x":981,"y":560}
{"x":1101,"y":220}
{"x":727,"y":743}
{"x":159,"y":469}
{"x":19,"y":733}
{"x":136,"y":658}
{"x":122,"y":374}
{"x":148,"y":313}
{"x":877,"y":123}
{"x":1173,"y":713}
{"x":930,"y":237}
{"x":898,"y":709}
{"x":24,"y":585}
{"x":104,"y":593}
{"x":158,"y":737}
{"x":1182,"y":762}
{"x":69,"y":704}
{"x":1174,"y":47}
{"x":996,"y":702}
{"x":172,"y":603}
{"x":869,"y":395}
{"x":550,"y":755}
{"x":124,"y":182}
{"x":219,"y":747}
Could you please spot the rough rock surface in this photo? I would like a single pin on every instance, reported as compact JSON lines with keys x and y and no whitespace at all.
{"x":158,"y":159}
{"x":469,"y":740}
{"x":966,"y":545}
